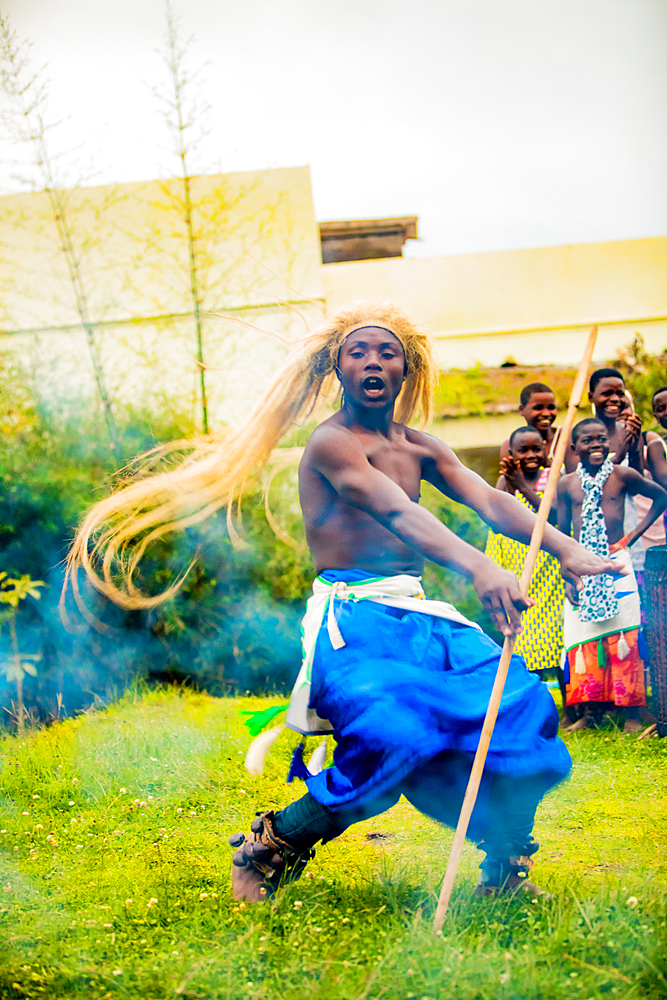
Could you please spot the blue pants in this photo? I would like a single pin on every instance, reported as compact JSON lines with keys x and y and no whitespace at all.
{"x":503,"y":816}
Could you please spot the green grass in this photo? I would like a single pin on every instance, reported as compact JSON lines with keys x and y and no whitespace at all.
{"x":115,"y":876}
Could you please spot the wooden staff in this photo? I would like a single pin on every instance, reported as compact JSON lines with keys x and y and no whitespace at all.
{"x":508,"y":646}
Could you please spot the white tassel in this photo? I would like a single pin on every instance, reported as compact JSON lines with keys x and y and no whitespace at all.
{"x":580,"y":662}
{"x":622,"y":650}
{"x":258,"y":749}
{"x":316,"y":762}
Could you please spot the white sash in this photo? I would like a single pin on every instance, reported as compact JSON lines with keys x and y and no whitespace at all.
{"x":400,"y":591}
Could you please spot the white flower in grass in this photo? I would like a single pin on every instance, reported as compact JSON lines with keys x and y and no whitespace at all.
{"x":26,"y":814}
{"x":128,"y":902}
{"x":117,"y":972}
{"x":151,"y":902}
{"x":122,"y":791}
{"x":174,"y":953}
{"x":35,"y":796}
{"x":70,"y":803}
{"x":297,"y":904}
{"x":72,"y":821}
{"x":632,"y":901}
{"x":39,"y":827}
{"x":203,"y":895}
{"x":179,"y":810}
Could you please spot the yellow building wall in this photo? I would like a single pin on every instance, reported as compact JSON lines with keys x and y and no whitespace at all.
{"x":534,"y":305}
{"x":260,"y":269}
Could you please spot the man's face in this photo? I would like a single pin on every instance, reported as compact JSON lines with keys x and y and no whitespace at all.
{"x":371,"y":363}
{"x":592,"y":446}
{"x":660,"y":408}
{"x":528,"y":451}
{"x":540,"y":410}
{"x":609,"y":397}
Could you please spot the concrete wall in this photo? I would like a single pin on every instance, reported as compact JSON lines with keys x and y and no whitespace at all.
{"x":534,"y":305}
{"x":260,"y":267}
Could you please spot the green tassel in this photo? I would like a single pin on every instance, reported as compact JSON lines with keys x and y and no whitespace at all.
{"x":602,"y":656}
{"x":260,"y":720}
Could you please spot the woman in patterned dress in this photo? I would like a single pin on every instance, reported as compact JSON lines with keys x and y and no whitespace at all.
{"x":541,"y":641}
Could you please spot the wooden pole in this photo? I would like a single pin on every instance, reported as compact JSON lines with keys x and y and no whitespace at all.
{"x":508,"y":646}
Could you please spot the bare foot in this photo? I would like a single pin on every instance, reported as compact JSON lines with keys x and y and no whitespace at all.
{"x":648,"y":733}
{"x":576,"y":726}
{"x":632,"y":726}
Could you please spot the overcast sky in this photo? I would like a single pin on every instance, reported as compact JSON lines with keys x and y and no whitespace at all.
{"x":500,"y":123}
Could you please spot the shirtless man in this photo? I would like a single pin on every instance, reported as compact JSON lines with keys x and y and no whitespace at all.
{"x":602,"y":622}
{"x":607,"y":394}
{"x":402,"y":683}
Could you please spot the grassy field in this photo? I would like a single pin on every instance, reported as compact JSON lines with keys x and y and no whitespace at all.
{"x":115,"y":876}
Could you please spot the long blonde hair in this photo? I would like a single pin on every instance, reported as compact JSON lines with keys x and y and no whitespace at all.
{"x":115,"y":533}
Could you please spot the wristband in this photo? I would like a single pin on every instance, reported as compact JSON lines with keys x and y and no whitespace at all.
{"x":620,"y":544}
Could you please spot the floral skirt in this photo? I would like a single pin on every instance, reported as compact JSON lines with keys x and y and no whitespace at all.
{"x":607,"y":677}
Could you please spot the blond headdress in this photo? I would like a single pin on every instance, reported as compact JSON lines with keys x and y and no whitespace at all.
{"x":115,"y":534}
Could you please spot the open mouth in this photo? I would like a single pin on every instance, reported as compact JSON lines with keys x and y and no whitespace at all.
{"x":596,"y":454}
{"x":373,"y":383}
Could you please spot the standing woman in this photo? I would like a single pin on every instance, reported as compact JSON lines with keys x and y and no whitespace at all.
{"x":655,"y":457}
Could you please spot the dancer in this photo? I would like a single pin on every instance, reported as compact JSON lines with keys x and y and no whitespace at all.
{"x":601,"y":624}
{"x":402,"y":682}
{"x":537,"y":406}
{"x":541,"y":641}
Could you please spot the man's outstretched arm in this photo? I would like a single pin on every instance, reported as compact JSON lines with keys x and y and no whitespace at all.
{"x":338,"y":456}
{"x":508,"y":516}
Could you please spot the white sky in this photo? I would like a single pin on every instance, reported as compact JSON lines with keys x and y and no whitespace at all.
{"x":500,"y":123}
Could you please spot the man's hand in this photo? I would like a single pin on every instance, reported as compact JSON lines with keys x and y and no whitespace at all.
{"x":577,"y":561}
{"x":499,"y":592}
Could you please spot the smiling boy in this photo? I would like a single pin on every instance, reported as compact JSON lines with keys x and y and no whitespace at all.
{"x":607,"y":395}
{"x":601,"y":623}
{"x":537,"y":406}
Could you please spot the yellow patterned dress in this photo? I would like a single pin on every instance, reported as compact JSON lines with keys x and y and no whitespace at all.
{"x":541,"y":642}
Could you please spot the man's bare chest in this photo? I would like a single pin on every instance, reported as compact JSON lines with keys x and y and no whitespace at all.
{"x":401,"y":463}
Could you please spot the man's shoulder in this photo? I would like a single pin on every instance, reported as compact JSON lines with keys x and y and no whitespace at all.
{"x":429,"y":442}
{"x":331,"y":437}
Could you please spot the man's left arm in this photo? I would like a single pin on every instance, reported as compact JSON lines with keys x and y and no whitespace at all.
{"x":506,"y":515}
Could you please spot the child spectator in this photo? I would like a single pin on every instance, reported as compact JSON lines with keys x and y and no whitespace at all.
{"x":537,"y":406}
{"x":541,"y":641}
{"x":655,"y":467}
{"x":601,"y":622}
{"x":656,"y":444}
{"x":608,"y":398}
